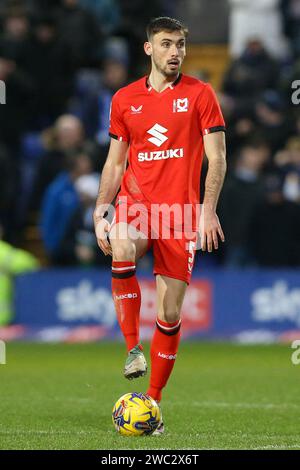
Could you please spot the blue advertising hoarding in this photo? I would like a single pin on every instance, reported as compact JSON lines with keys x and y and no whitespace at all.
{"x":76,"y":305}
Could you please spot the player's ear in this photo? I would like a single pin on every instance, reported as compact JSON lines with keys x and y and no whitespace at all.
{"x":148,"y":48}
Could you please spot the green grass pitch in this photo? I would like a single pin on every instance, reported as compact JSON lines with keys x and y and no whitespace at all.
{"x":220,"y":396}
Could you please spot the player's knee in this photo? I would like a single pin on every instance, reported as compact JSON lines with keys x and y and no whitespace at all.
{"x":124,"y":252}
{"x":170,"y":316}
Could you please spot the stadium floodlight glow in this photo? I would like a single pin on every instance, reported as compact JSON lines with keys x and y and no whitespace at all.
{"x":2,"y":92}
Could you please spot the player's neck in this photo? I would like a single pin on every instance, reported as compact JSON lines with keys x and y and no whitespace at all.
{"x":160,"y":82}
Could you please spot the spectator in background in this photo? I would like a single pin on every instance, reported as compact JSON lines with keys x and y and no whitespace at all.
{"x":135,"y":16}
{"x":274,"y":228}
{"x":288,"y":162}
{"x":249,"y":76}
{"x":49,"y":64}
{"x":297,"y":123}
{"x":241,"y":126}
{"x":272,"y":120}
{"x":92,"y":102}
{"x":19,"y":93}
{"x":81,"y":31}
{"x":15,"y":35}
{"x":291,"y":15}
{"x":66,"y":136}
{"x":79,"y":245}
{"x":115,"y":75}
{"x":60,"y":202}
{"x":261,"y":19}
{"x":107,"y":11}
{"x":241,"y":194}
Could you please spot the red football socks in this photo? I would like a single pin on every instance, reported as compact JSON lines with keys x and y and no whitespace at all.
{"x":127,"y":297}
{"x":164,"y":349}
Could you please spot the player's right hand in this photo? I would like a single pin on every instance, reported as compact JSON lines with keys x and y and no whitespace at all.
{"x":102,"y":228}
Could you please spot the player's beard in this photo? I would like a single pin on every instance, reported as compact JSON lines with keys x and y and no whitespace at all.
{"x":164,"y":70}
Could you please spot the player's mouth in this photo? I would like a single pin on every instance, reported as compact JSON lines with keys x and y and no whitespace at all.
{"x":173,"y":64}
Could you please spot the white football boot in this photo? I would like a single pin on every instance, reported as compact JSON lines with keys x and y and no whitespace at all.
{"x":135,"y":365}
{"x":160,"y":428}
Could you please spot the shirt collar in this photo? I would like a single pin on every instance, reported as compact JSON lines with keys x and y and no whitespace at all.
{"x":172,"y":85}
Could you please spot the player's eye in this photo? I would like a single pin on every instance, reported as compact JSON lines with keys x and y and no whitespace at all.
{"x":166,"y":44}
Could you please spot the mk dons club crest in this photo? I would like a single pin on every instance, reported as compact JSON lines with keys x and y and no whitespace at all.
{"x":180,"y":105}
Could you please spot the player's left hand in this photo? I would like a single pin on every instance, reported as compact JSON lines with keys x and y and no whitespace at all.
{"x":210,"y":230}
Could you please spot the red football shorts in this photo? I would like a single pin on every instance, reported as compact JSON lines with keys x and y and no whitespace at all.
{"x":173,"y":250}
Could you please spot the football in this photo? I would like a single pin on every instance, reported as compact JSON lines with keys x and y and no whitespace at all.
{"x":136,"y":414}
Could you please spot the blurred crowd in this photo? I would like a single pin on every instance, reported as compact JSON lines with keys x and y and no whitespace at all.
{"x":62,"y":60}
{"x":260,"y":203}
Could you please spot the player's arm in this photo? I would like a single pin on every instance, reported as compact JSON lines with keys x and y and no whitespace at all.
{"x":210,"y":228}
{"x":110,"y":182}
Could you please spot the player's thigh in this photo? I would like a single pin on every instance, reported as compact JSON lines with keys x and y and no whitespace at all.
{"x":174,"y":257}
{"x":170,"y":295}
{"x":128,"y":244}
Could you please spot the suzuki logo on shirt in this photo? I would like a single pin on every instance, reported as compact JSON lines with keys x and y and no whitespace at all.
{"x":180,"y":105}
{"x":157,"y":131}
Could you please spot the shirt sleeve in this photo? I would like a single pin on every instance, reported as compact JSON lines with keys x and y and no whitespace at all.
{"x":117,"y":127}
{"x":210,"y":114}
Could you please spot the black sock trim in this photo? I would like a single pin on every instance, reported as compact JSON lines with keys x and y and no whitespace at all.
{"x":123,"y":275}
{"x":168,"y":332}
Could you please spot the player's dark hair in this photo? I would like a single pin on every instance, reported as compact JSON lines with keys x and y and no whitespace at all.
{"x":164,"y":23}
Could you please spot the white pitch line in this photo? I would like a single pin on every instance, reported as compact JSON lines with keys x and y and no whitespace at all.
{"x":289,"y":446}
{"x":54,"y":432}
{"x":245,"y":405}
{"x":239,"y":435}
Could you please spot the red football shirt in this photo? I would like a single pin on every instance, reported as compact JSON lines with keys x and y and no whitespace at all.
{"x":165,"y":135}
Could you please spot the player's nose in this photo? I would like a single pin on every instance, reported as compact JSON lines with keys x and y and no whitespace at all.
{"x":174,"y":50}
